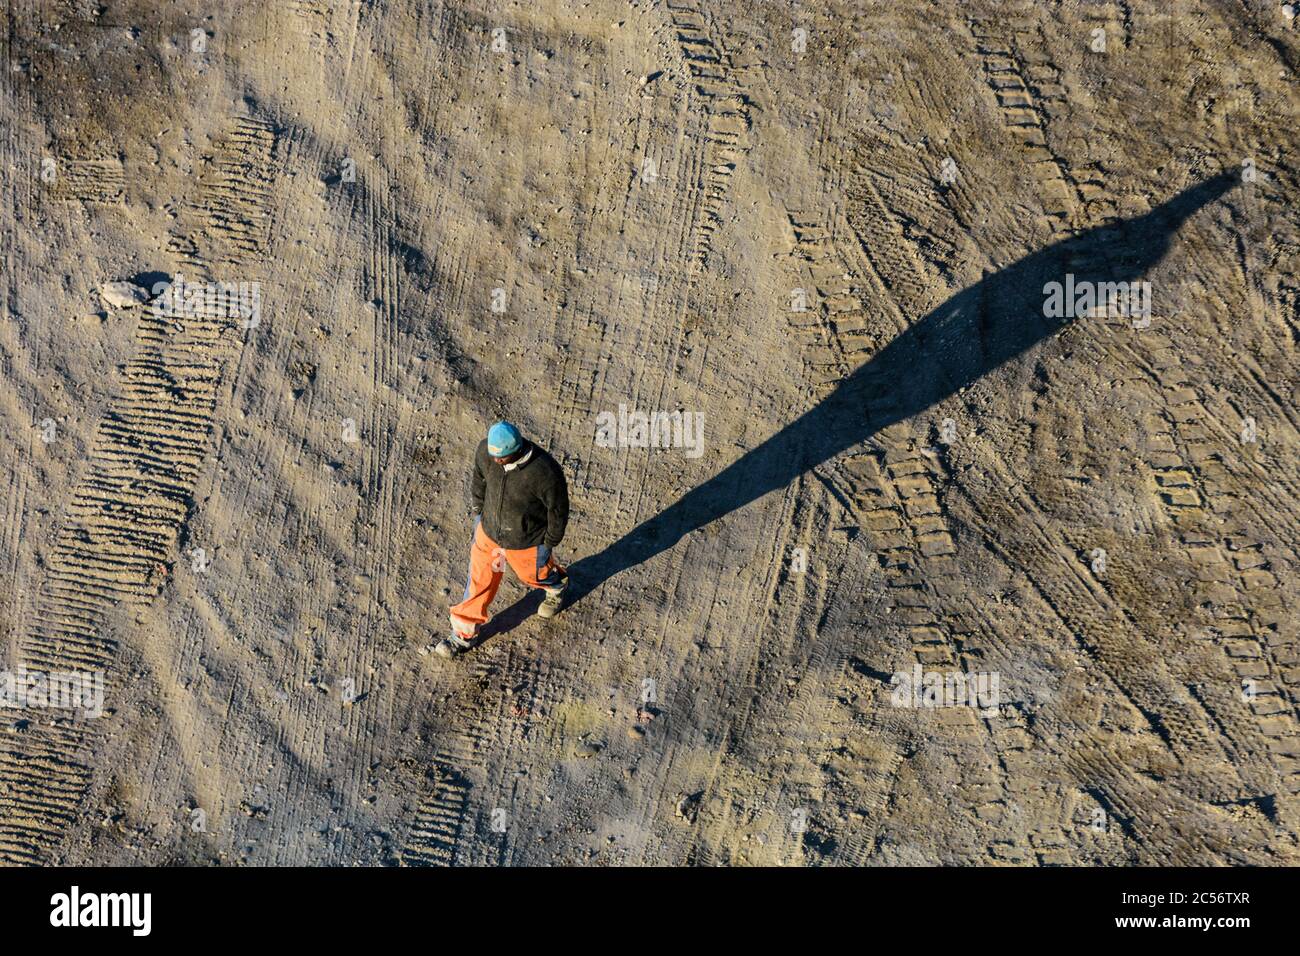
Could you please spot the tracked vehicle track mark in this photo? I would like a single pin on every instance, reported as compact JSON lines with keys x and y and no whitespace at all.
{"x":116,"y":546}
{"x":233,"y":206}
{"x":436,"y":832}
{"x":118,"y":540}
{"x":720,"y":85}
{"x":313,"y":18}
{"x":92,"y":181}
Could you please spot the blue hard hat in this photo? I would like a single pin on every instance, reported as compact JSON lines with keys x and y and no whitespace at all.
{"x":504,"y":440}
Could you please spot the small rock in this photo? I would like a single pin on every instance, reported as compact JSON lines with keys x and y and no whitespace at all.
{"x":688,"y":807}
{"x":122,"y":295}
{"x":635,"y":732}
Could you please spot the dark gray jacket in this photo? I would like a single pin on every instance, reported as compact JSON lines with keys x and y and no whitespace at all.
{"x":524,"y":507}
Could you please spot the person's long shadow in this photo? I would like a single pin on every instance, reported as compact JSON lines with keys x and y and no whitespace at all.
{"x":972,"y":333}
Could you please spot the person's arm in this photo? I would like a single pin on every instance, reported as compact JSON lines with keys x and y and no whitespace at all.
{"x":476,"y":484}
{"x":557,"y":509}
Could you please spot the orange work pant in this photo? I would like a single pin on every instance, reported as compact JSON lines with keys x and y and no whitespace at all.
{"x":535,"y":567}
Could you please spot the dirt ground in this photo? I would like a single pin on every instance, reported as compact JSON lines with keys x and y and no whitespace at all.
{"x":545,"y":210}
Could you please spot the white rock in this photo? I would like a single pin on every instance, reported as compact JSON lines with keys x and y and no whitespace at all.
{"x":122,"y":295}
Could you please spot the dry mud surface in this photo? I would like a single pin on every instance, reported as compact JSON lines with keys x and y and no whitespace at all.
{"x":252,"y":532}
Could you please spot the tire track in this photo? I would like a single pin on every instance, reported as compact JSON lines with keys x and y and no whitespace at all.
{"x":1020,"y":98}
{"x":1238,"y":587}
{"x":892,"y":489}
{"x":1183,"y":715}
{"x":780,"y":649}
{"x":1136,"y":667}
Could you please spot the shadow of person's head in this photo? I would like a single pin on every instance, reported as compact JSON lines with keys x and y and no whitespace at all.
{"x":995,"y":320}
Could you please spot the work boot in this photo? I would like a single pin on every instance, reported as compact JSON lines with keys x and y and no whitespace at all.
{"x":553,"y":601}
{"x":452,"y":646}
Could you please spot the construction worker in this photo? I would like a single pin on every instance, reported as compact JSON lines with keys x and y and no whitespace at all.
{"x":520,"y":503}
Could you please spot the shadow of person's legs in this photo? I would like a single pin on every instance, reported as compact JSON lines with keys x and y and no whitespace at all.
{"x":974,"y":332}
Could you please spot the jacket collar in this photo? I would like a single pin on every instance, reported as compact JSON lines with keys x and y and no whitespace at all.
{"x":521,"y":462}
